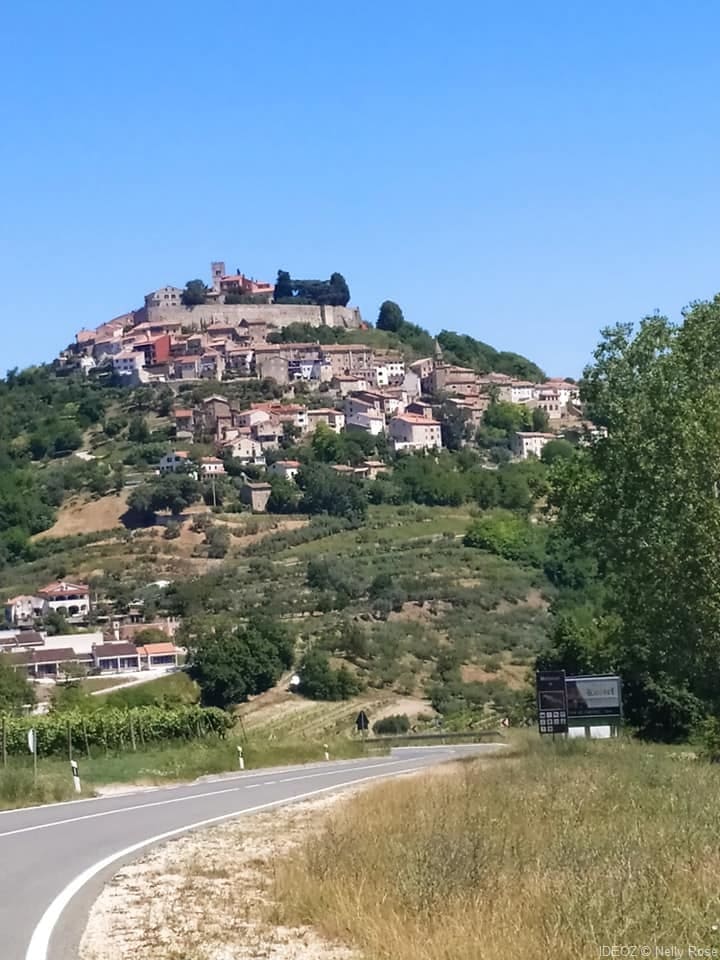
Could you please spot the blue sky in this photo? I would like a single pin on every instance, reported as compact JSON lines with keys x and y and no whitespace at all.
{"x":522,"y":171}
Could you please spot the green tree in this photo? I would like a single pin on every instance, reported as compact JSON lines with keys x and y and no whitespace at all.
{"x":324,"y":491}
{"x":283,"y":287}
{"x":231,"y":662}
{"x":138,"y":431}
{"x":539,"y":420}
{"x":15,"y":690}
{"x":506,"y":416}
{"x":339,"y":290}
{"x":284,"y":496}
{"x":556,"y":450}
{"x":174,"y":492}
{"x":320,"y":681}
{"x":327,"y":446}
{"x":390,"y":317}
{"x":194,"y":294}
{"x":644,"y":503}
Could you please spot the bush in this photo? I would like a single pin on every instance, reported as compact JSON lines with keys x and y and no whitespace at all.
{"x":397,"y":723}
{"x":508,"y":536}
{"x":319,"y":681}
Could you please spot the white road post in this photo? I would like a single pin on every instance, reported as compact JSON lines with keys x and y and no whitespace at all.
{"x":75,"y":775}
{"x":241,"y":759}
{"x":327,"y":754}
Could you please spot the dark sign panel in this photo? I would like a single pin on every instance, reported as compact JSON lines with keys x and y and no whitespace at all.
{"x":552,"y":703}
{"x":361,"y":721}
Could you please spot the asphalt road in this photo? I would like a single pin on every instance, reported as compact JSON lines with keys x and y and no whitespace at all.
{"x":54,"y":860}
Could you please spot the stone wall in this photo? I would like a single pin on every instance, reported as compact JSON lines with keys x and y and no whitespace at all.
{"x":276,"y":315}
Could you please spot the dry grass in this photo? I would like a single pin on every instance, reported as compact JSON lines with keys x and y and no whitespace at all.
{"x":87,"y":515}
{"x":554,"y":854}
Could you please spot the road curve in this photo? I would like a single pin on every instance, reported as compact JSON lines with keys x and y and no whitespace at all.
{"x":54,"y":860}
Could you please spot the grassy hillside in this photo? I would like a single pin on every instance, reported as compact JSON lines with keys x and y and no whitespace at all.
{"x":401,"y":599}
{"x":558,"y":852}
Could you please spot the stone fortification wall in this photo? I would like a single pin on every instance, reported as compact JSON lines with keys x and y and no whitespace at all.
{"x":276,"y":315}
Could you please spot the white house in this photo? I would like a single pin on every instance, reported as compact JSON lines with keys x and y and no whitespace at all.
{"x":72,"y":599}
{"x":372,"y":422}
{"x":174,"y":461}
{"x":288,"y":469}
{"x":520,"y":391}
{"x":24,"y":609}
{"x":128,"y":362}
{"x":527,"y":444}
{"x":411,"y":432}
{"x":334,"y":419}
{"x":246,"y":449}
{"x":211,"y":467}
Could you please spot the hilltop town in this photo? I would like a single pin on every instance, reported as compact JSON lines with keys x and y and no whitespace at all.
{"x":228,"y":330}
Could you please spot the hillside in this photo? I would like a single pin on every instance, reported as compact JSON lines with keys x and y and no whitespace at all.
{"x":360,"y":557}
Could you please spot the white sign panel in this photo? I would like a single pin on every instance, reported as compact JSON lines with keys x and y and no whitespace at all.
{"x":594,"y":696}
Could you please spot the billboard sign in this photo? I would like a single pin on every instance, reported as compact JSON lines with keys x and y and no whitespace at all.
{"x":551,"y":701}
{"x":594,"y":697}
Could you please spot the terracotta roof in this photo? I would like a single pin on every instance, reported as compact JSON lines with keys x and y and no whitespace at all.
{"x":416,"y":419}
{"x":323,"y":410}
{"x":183,"y":413}
{"x":210,"y":460}
{"x":157,"y":649}
{"x":63,"y":588}
{"x":287,"y":463}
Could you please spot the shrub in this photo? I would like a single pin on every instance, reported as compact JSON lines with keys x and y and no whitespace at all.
{"x":507,"y":535}
{"x":397,"y":723}
{"x":319,"y":681}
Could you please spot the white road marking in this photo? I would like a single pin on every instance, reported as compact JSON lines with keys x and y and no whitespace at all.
{"x":220,"y":778}
{"x":193,"y":796}
{"x":40,"y":940}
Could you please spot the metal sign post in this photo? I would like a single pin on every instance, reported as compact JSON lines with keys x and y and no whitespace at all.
{"x":551,"y":702}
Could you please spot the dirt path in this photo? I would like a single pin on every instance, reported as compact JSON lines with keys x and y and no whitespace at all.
{"x":207,"y":896}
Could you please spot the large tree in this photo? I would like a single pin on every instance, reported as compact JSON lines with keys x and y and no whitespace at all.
{"x":194,"y":294}
{"x":15,"y":691}
{"x":283,"y":287}
{"x":390,"y":317}
{"x":644,"y":504}
{"x":231,"y":662}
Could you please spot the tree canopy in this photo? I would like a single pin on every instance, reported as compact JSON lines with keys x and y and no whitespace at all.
{"x":231,"y":662}
{"x":390,"y":317}
{"x":333,"y":292}
{"x":644,"y":505}
{"x":194,"y":294}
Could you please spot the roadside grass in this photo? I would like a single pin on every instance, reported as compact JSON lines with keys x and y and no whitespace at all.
{"x":175,"y":688}
{"x":174,"y":761}
{"x":556,"y":851}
